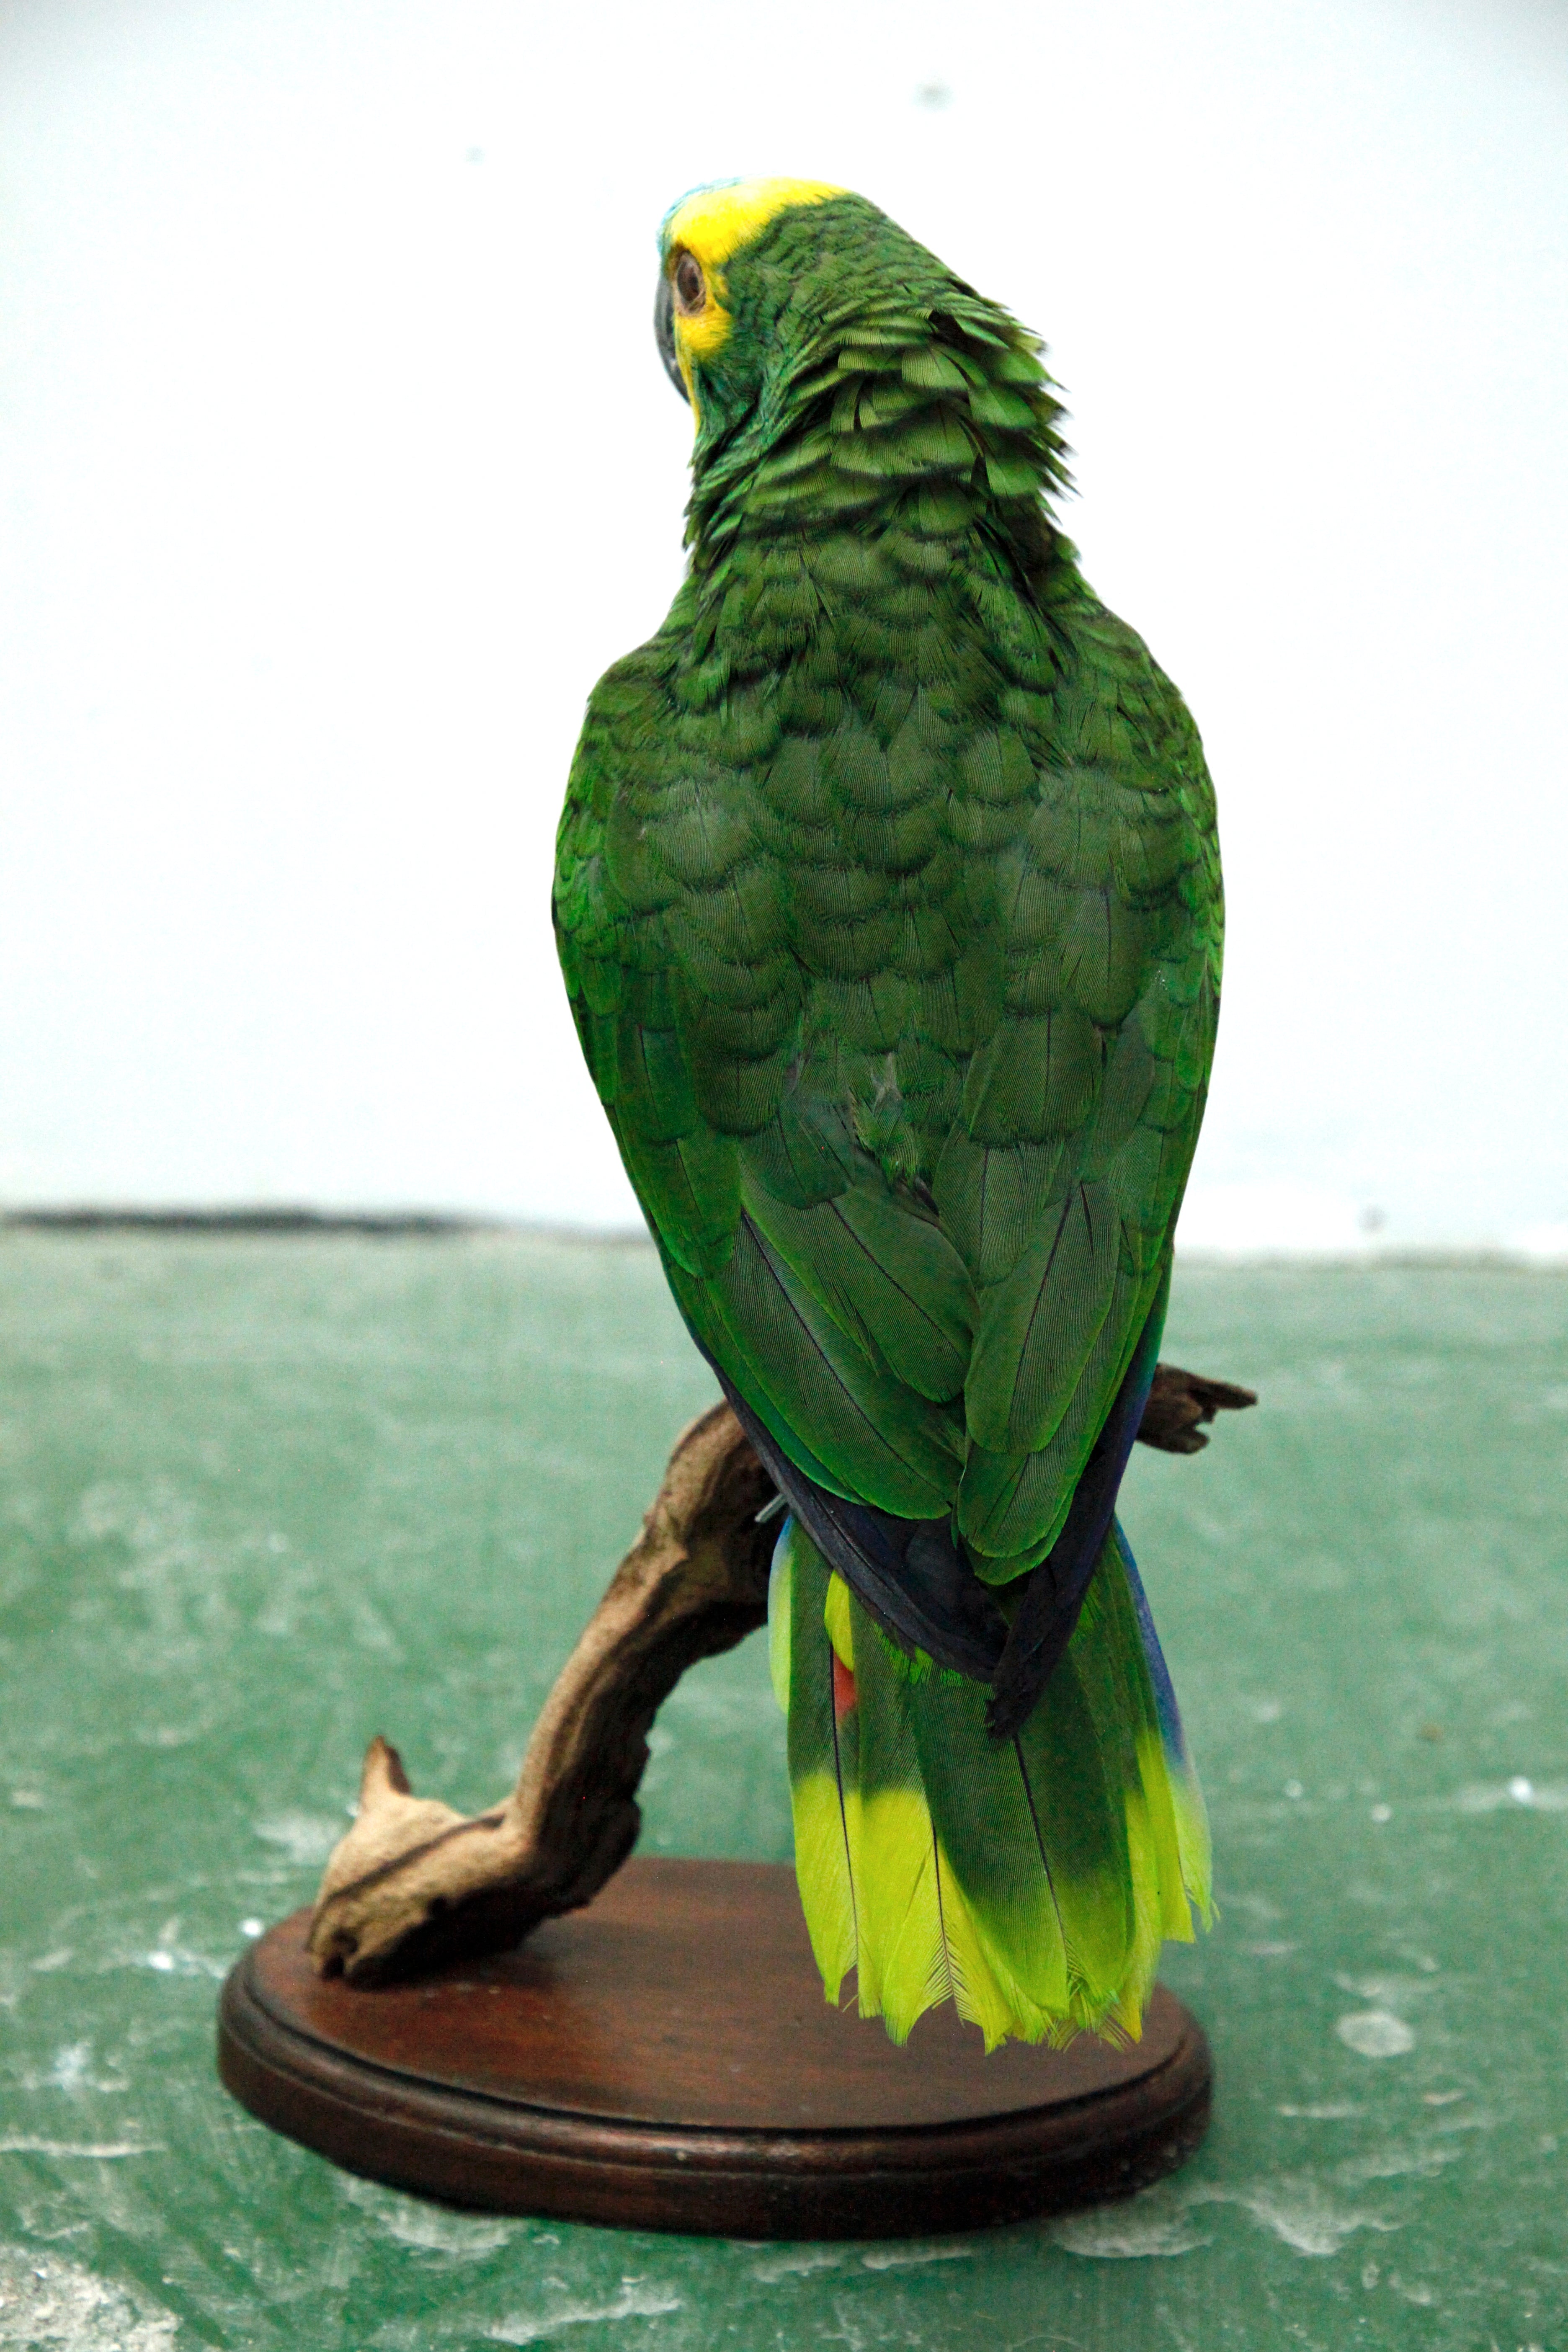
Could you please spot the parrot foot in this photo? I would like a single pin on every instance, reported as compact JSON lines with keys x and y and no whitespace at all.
{"x":415,"y":1883}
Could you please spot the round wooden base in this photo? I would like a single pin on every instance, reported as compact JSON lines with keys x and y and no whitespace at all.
{"x":664,"y":2060}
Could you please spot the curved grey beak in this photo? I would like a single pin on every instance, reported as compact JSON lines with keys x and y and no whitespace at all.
{"x":664,"y":335}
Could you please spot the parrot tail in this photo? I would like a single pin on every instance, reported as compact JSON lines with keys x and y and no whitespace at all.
{"x":1031,"y":1880}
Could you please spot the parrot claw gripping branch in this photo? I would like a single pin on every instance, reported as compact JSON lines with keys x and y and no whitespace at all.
{"x":888,"y":900}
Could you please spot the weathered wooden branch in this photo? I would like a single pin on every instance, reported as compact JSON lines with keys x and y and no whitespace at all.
{"x":1179,"y":1401}
{"x":415,"y":1883}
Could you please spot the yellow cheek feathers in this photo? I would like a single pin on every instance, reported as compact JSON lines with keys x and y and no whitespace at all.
{"x":699,"y":337}
{"x":683,"y":355}
{"x":713,"y":223}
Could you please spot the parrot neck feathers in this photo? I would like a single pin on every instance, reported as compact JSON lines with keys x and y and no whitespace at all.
{"x":891,"y":423}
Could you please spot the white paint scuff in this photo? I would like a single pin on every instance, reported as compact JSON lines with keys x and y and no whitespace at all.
{"x":50,"y":2306}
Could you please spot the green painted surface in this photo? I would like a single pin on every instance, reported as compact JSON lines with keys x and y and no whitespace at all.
{"x":260,"y":1498}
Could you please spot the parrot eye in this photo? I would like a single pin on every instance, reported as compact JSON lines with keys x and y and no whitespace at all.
{"x":691,"y":287}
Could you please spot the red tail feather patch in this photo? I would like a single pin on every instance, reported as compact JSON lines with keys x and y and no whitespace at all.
{"x":843,"y":1688}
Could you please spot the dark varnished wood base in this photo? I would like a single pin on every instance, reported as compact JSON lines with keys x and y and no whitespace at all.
{"x":664,"y":2060}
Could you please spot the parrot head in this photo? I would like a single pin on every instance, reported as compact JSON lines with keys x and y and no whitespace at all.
{"x":708,"y":236}
{"x":778,"y":299}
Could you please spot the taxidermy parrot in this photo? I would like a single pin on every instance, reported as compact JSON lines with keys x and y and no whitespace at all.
{"x":888,"y":899}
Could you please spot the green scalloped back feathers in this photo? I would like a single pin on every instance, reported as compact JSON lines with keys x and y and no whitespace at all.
{"x":887,"y":899}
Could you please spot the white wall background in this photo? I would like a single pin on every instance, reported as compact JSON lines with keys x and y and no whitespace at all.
{"x":336,"y":461}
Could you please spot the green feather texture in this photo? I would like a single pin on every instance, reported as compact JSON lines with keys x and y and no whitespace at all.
{"x":889,"y":904}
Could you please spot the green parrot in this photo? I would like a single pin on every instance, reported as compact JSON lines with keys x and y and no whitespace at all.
{"x":887,"y":899}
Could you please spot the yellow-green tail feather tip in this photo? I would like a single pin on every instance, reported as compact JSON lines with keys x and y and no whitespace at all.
{"x":1033,"y":1882}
